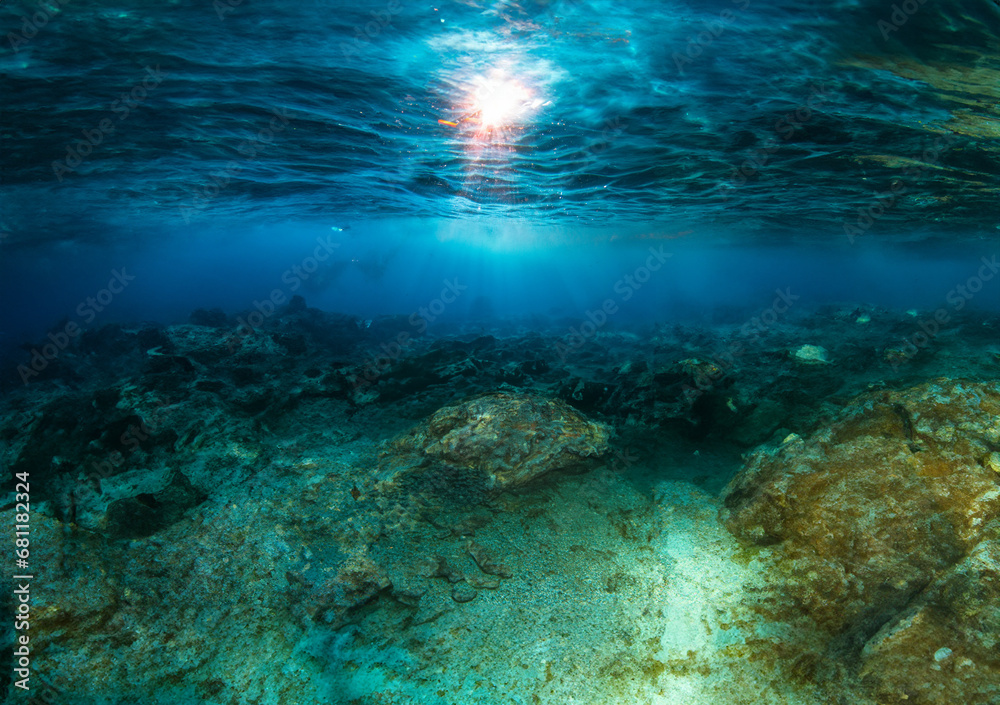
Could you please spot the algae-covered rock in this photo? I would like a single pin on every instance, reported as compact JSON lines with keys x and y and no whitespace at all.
{"x":510,"y":439}
{"x":869,"y":509}
{"x":945,"y":648}
{"x":868,"y":514}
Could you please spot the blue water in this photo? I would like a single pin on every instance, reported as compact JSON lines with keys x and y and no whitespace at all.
{"x":541,"y":171}
{"x":396,"y":266}
{"x":289,"y":111}
{"x":191,"y":141}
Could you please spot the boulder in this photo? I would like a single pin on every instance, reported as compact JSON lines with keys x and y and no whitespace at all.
{"x":508,"y":439}
{"x":946,"y":647}
{"x":868,"y":511}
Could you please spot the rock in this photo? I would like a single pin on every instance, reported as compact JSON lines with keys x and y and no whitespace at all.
{"x":811,"y":355}
{"x":944,"y":648}
{"x":444,"y":568}
{"x":133,"y":517}
{"x":408,"y":595}
{"x":215,"y":386}
{"x":153,"y":338}
{"x":943,"y":654}
{"x":296,"y":305}
{"x":107,"y":341}
{"x":483,"y":583}
{"x":485,"y":562}
{"x":358,"y":582}
{"x":508,"y":439}
{"x":293,"y":344}
{"x":145,"y":514}
{"x":704,"y":374}
{"x":869,"y":511}
{"x":534,"y":367}
{"x":586,"y":395}
{"x":463,"y":592}
{"x":759,"y":424}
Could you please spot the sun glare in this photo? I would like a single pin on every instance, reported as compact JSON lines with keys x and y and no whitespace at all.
{"x":499,"y":101}
{"x":495,"y":103}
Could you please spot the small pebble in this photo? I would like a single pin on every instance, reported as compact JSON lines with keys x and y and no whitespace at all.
{"x":942,"y":654}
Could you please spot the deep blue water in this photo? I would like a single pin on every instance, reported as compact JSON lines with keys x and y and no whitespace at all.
{"x":396,"y":266}
{"x":834,"y":147}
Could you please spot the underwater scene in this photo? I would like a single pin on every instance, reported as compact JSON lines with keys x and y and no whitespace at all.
{"x":500,"y":352}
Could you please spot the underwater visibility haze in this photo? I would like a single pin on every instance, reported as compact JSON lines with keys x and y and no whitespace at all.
{"x":473,"y":353}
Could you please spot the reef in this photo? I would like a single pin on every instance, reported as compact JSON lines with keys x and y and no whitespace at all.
{"x":497,"y":507}
{"x":887,"y":526}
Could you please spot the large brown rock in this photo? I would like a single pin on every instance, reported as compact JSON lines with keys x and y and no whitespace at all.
{"x":945,"y":648}
{"x":869,"y":511}
{"x":507,"y":439}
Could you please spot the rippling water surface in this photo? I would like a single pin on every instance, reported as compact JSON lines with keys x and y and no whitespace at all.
{"x":741,"y":115}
